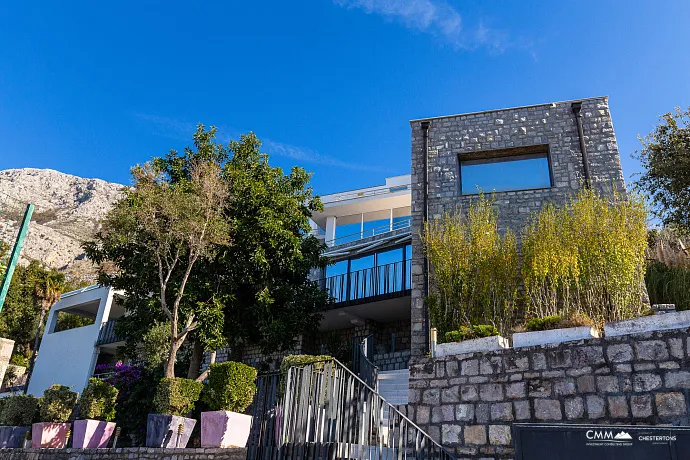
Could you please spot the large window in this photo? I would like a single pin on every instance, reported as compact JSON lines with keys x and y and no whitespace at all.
{"x":504,"y":173}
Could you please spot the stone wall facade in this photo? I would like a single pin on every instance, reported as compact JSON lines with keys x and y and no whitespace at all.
{"x":123,"y":453}
{"x":468,"y":402}
{"x":550,"y":126}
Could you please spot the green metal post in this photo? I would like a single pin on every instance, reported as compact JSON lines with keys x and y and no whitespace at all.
{"x":14,"y":258}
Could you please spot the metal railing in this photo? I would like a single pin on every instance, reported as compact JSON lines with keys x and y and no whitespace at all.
{"x":366,"y":370}
{"x":107,"y":333}
{"x":369,"y":282}
{"x":366,"y":233}
{"x":324,"y":411}
{"x":364,"y":193}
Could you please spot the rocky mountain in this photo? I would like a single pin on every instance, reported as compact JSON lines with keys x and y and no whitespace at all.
{"x":68,"y":209}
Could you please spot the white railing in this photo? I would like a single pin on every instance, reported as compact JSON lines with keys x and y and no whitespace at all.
{"x":364,"y":193}
{"x":366,"y":233}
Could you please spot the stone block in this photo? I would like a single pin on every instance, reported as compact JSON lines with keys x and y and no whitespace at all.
{"x":490,"y":365}
{"x":538,"y":361}
{"x":574,"y":408}
{"x":502,"y":412}
{"x":491,"y":392}
{"x":483,"y":344}
{"x":451,"y":435}
{"x":652,"y":350}
{"x":539,"y":388}
{"x":516,"y":390}
{"x":641,"y":406}
{"x":515,"y":363}
{"x":431,"y":396}
{"x":464,"y":412}
{"x":646,"y":382}
{"x":680,"y":379}
{"x":522,"y":410}
{"x":620,"y":353}
{"x":607,"y":384}
{"x":450,"y":395}
{"x":423,"y":415}
{"x":445,"y":413}
{"x":559,"y":358}
{"x":564,"y":387}
{"x":482,"y":413}
{"x":618,"y":407}
{"x":475,"y":434}
{"x":670,"y":404}
{"x":500,"y":435}
{"x":596,"y":407}
{"x":586,"y":356}
{"x":547,"y":409}
{"x":531,"y":339}
{"x":469,"y":367}
{"x":675,"y":347}
{"x":469,"y":393}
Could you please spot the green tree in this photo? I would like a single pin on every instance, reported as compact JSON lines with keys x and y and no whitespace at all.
{"x":665,"y":155}
{"x":173,"y":223}
{"x":255,"y":290}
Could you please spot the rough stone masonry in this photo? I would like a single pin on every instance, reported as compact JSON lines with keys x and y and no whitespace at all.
{"x":468,"y":402}
{"x":550,"y":128}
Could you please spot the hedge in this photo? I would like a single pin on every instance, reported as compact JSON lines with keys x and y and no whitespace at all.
{"x":19,"y":410}
{"x":176,"y":396}
{"x":98,"y":401}
{"x":57,"y":404}
{"x":231,"y":386}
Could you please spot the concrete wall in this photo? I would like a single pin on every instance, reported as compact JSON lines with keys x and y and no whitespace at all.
{"x":68,"y":357}
{"x":118,"y":454}
{"x":553,"y":125}
{"x":468,"y":402}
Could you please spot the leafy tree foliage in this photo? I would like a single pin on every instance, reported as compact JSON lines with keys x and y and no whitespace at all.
{"x":250,"y":285}
{"x":665,"y":156}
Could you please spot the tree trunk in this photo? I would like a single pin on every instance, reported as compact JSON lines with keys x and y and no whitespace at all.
{"x":35,"y":350}
{"x":204,"y":374}
{"x":195,"y":361}
{"x":172,"y":358}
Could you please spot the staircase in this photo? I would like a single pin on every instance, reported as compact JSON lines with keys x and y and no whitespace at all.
{"x":393,"y":386}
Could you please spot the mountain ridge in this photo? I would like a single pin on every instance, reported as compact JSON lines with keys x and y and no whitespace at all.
{"x":68,"y":210}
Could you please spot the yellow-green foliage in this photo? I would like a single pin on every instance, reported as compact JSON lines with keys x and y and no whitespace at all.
{"x":97,"y":402}
{"x":57,"y":404}
{"x":176,"y":396}
{"x":474,"y":270}
{"x":587,"y":257}
{"x":231,"y":386}
{"x":473,"y":332}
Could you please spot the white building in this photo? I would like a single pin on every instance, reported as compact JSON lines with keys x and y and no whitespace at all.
{"x":69,"y":357}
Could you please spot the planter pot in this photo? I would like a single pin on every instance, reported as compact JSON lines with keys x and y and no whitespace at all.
{"x":224,"y":429}
{"x":92,"y":434}
{"x":47,"y":434}
{"x":12,"y":437}
{"x":161,"y":431}
{"x":493,"y":343}
{"x":568,"y":334}
{"x":678,"y":320}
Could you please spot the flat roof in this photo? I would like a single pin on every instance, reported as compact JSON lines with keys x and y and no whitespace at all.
{"x":508,"y":108}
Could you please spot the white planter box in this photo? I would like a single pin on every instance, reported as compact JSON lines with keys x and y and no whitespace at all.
{"x":568,"y":334}
{"x":493,"y":343}
{"x":678,"y":320}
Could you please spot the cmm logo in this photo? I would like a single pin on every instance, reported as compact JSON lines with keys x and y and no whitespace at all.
{"x":599,"y":435}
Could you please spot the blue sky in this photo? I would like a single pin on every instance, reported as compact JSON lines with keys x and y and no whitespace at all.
{"x":91,"y":88}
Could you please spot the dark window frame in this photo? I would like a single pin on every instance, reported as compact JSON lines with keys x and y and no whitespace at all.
{"x":503,"y":155}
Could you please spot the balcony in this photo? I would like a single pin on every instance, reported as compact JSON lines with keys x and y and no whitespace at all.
{"x":389,"y":228}
{"x":107,"y":334}
{"x":370,"y":284}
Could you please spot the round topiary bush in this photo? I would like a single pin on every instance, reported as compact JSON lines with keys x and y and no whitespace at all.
{"x":231,"y":386}
{"x":97,"y":402}
{"x":19,"y":410}
{"x":57,"y":404}
{"x":176,"y":396}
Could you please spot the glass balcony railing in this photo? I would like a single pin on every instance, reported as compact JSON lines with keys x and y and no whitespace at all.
{"x":107,"y":333}
{"x":369,"y":283}
{"x":401,"y":223}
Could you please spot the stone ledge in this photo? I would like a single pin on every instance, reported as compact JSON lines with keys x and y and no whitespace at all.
{"x":570,"y":334}
{"x":484,"y":344}
{"x":665,"y":322}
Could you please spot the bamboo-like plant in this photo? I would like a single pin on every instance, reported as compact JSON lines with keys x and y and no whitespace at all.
{"x":474,"y":270}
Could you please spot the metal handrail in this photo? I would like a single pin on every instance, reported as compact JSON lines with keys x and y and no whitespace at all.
{"x":326,"y":404}
{"x":406,"y":223}
{"x":367,"y":370}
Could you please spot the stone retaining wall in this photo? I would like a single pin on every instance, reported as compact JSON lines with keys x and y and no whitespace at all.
{"x":468,"y":402}
{"x":123,"y":453}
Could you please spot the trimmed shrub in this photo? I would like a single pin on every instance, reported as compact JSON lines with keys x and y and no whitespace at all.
{"x":97,"y":402}
{"x":471,"y":332}
{"x":231,"y":386}
{"x":57,"y":404}
{"x":302,"y":360}
{"x":176,"y":396}
{"x":557,"y":322}
{"x":19,"y":410}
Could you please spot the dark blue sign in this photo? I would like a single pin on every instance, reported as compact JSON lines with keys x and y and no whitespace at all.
{"x":600,"y":442}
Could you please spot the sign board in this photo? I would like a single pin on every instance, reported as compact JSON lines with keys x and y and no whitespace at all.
{"x":600,"y":442}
